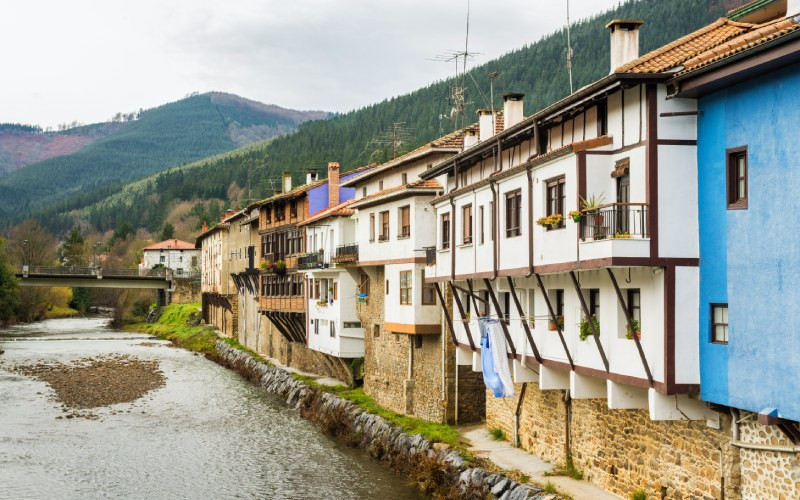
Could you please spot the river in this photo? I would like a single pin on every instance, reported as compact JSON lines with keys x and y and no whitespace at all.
{"x":206,"y":433}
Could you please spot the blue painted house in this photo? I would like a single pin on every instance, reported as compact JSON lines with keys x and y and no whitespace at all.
{"x":749,"y":182}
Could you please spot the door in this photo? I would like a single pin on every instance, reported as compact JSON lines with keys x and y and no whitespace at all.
{"x":622,"y":219}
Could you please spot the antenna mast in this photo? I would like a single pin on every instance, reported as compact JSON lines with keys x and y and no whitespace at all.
{"x":569,"y":54}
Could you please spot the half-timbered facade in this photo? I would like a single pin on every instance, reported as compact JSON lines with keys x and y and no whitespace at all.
{"x":577,"y":228}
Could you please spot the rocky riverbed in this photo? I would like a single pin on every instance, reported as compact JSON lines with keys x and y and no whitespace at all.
{"x":89,"y":383}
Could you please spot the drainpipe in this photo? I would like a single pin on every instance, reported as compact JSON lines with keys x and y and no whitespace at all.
{"x":452,"y":239}
{"x":530,"y":222}
{"x":517,"y":412}
{"x":494,"y":230}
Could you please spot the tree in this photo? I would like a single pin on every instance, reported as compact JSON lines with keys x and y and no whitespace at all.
{"x":9,"y":292}
{"x":73,"y":251}
{"x":167,"y":232}
{"x":29,"y":243}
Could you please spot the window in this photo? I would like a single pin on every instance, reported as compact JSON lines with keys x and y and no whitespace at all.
{"x":403,"y":178}
{"x":405,"y":288}
{"x":280,"y":212}
{"x":333,"y":329}
{"x":162,"y":259}
{"x":445,"y":231}
{"x":384,"y":236}
{"x":594,"y":302}
{"x":602,"y":118}
{"x":293,"y":209}
{"x":364,"y":192}
{"x":466,"y":224}
{"x":418,"y":341}
{"x":363,"y":286}
{"x":428,"y":291}
{"x":737,"y":178}
{"x":387,"y":287}
{"x":480,"y":225}
{"x":556,"y":198}
{"x":719,"y":323}
{"x":335,"y":290}
{"x":351,"y":324}
{"x":513,"y":213}
{"x":380,"y":185}
{"x":560,"y":303}
{"x":463,"y":179}
{"x":635,"y":304}
{"x":316,"y":289}
{"x":268,"y":215}
{"x":404,"y":217}
{"x":505,"y":303}
{"x":371,"y":227}
{"x":494,"y":218}
{"x":316,"y":327}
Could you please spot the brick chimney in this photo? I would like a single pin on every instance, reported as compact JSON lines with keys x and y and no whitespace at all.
{"x":512,"y":109}
{"x":624,"y":41}
{"x":205,"y":227}
{"x":333,"y":184}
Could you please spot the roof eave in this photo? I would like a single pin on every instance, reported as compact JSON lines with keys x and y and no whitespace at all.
{"x":405,"y":193}
{"x":389,"y":165}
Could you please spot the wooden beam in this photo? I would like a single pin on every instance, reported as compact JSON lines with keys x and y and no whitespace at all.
{"x":630,"y":327}
{"x":474,"y":297}
{"x":446,"y":314}
{"x":500,"y":316}
{"x":463,"y":316}
{"x":586,"y":313}
{"x":555,"y":320}
{"x":469,"y":292}
{"x":524,"y":321}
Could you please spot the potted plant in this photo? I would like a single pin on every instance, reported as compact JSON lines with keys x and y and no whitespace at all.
{"x":265,"y":265}
{"x":592,"y":203}
{"x":575,"y":215}
{"x":624,"y":236}
{"x":322,"y":303}
{"x":586,"y":327}
{"x":551,"y":221}
{"x":558,"y":324}
{"x":636,"y":328}
{"x":280,"y":267}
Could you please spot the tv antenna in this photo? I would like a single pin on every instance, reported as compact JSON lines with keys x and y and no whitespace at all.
{"x":457,"y":90}
{"x":391,"y":139}
{"x":569,"y":54}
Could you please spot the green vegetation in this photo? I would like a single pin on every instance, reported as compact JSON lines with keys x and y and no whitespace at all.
{"x":347,"y":138}
{"x":173,"y":134}
{"x":639,"y":495}
{"x":9,"y":291}
{"x":180,"y":324}
{"x":497,"y":434}
{"x":60,"y":312}
{"x":550,"y":488}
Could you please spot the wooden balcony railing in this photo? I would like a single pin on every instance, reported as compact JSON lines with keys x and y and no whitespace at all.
{"x":614,"y":220}
{"x":346,"y":253}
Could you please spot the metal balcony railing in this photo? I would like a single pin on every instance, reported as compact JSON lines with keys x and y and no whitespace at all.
{"x":615,"y":220}
{"x":430,"y":256}
{"x":346,"y":253}
{"x":94,"y":271}
{"x":315,"y":260}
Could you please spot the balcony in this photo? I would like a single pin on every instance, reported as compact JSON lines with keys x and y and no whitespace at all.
{"x":315,"y":260}
{"x":615,"y":230}
{"x":346,"y":253}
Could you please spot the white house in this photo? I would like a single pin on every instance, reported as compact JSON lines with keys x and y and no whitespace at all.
{"x":180,"y":256}
{"x":333,"y":325}
{"x":621,"y":159}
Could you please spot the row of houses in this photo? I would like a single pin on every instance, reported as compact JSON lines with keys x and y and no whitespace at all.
{"x":630,"y":240}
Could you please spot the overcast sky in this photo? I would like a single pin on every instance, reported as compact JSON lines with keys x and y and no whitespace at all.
{"x":87,"y":59}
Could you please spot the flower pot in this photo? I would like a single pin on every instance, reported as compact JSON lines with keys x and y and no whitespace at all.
{"x":553,"y":327}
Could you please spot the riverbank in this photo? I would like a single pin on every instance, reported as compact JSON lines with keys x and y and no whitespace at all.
{"x":430,"y":454}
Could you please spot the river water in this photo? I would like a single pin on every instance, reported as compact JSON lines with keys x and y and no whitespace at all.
{"x":206,"y":434}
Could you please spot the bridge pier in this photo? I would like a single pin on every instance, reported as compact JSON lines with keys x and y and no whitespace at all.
{"x":162,"y":298}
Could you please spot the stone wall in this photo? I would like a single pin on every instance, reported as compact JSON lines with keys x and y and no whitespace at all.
{"x":623,"y":451}
{"x":767,"y":474}
{"x":186,"y":291}
{"x":222,"y":318}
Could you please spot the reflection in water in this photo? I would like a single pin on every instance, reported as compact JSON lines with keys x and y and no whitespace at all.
{"x":206,"y":434}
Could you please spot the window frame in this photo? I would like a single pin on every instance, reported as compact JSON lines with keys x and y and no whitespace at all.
{"x":385,"y":226}
{"x":406,"y":288}
{"x":404,"y":231}
{"x":732,"y":178}
{"x":713,"y":325}
{"x":427,"y":288}
{"x":513,"y":213}
{"x":481,"y":226}
{"x":372,"y":227}
{"x":634,"y":311}
{"x":444,"y":221}
{"x":557,"y":203}
{"x":466,"y":224}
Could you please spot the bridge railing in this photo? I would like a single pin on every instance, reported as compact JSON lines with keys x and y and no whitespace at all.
{"x":93,"y":271}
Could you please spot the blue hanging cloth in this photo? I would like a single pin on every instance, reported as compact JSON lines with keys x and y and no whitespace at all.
{"x":493,"y":374}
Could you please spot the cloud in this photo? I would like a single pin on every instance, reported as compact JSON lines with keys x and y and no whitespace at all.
{"x":86,"y":60}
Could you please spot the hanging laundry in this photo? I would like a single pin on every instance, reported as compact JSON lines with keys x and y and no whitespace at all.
{"x":494,"y":361}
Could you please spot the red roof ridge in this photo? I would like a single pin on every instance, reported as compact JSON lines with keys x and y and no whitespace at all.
{"x":170,"y":244}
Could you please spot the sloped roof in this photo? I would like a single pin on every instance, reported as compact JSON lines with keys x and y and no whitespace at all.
{"x":340,"y":210}
{"x":172,"y":244}
{"x":411,"y":187}
{"x":294,"y":193}
{"x":674,"y":54}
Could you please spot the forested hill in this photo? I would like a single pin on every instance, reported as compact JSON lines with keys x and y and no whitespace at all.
{"x":173,"y":134}
{"x":537,"y":69}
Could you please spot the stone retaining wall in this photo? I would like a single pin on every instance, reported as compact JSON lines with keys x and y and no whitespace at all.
{"x":433,"y":467}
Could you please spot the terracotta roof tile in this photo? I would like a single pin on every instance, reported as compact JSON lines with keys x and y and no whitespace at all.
{"x":676,"y":53}
{"x":172,"y":244}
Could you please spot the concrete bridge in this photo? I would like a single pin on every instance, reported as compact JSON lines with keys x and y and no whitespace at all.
{"x":160,"y":280}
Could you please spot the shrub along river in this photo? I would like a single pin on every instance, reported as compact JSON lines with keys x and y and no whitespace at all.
{"x":89,"y":412}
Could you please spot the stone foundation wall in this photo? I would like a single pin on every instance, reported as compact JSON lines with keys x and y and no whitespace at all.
{"x":471,"y":397}
{"x":767,"y":474}
{"x":187,"y":291}
{"x":623,"y":451}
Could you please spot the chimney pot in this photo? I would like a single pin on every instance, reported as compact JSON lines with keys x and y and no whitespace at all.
{"x":333,"y":184}
{"x":624,"y":41}
{"x":470,"y":138}
{"x":485,"y":124}
{"x":512,"y":109}
{"x":205,"y":226}
{"x":311,"y":177}
{"x":286,"y":182}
